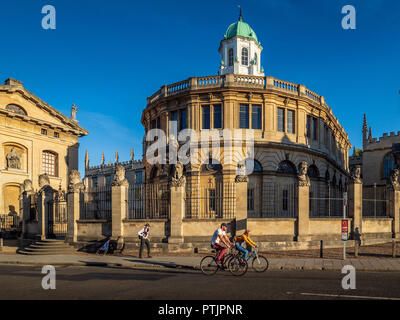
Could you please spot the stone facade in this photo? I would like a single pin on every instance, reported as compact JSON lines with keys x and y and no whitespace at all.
{"x":35,"y":139}
{"x":378,"y":159}
{"x":103,"y":175}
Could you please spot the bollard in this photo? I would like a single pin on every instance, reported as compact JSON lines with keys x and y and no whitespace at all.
{"x":356,"y":246}
{"x":394,"y":248}
{"x":321,"y":250}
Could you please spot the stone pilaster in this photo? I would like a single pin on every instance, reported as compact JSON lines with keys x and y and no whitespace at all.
{"x":177,"y":201}
{"x":119,"y":201}
{"x":73,"y":209}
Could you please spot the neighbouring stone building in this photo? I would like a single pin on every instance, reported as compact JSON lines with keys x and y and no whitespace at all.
{"x":378,"y":157}
{"x":39,"y":146}
{"x":103,"y":175}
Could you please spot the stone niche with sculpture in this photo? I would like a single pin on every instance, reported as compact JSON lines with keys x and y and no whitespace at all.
{"x":14,"y":157}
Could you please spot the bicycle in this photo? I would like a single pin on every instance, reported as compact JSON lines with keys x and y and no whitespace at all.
{"x":238,"y":266}
{"x":209,"y":265}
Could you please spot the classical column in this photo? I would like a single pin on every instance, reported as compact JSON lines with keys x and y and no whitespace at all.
{"x":303,"y":204}
{"x":355,"y":195}
{"x":177,"y":187}
{"x":73,"y":205}
{"x":119,"y":202}
{"x":394,"y":202}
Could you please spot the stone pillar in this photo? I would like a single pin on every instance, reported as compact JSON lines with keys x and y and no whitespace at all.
{"x":394,"y":210}
{"x":119,"y":201}
{"x":74,"y":198}
{"x":177,"y":202}
{"x":241,"y":204}
{"x":73,"y":210}
{"x":355,"y":195}
{"x":42,"y":215}
{"x":355,"y":198}
{"x":303,"y":204}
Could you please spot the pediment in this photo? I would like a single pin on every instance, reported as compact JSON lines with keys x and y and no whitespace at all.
{"x":20,"y":103}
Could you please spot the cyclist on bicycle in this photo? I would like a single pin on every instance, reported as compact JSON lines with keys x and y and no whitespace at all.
{"x":240,"y":242}
{"x":218,"y":237}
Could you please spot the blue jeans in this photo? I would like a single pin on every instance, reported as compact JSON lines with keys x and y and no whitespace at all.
{"x":244,"y":250}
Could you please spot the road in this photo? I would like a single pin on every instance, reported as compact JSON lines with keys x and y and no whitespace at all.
{"x":24,"y":282}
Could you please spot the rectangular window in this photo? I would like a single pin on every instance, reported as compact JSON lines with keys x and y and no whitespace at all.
{"x":108,"y":180}
{"x":44,"y":132}
{"x":326,"y":136}
{"x":206,"y":117}
{"x":49,"y":162}
{"x":182,"y":119}
{"x":244,"y":116}
{"x":281,"y":120}
{"x":56,"y":135}
{"x":308,"y":127}
{"x":250,"y":199}
{"x":217,"y":117}
{"x":94,"y":181}
{"x":315,"y":128}
{"x":290,"y":121}
{"x":256,"y":117}
{"x":139,"y":177}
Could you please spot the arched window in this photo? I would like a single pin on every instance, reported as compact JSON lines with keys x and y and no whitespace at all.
{"x":287,"y":167}
{"x":313,"y":171}
{"x":16,"y":109}
{"x":245,"y":57}
{"x":255,"y":59}
{"x":252,"y":166}
{"x":230,"y":57}
{"x":327,"y":175}
{"x":50,"y":163}
{"x":389,"y":163}
{"x":211,"y":165}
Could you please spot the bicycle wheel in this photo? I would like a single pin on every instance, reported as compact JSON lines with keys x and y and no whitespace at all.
{"x":208,"y":265}
{"x":237,"y":267}
{"x":260,"y":264}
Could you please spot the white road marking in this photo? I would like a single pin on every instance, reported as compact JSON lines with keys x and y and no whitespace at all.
{"x":344,"y":296}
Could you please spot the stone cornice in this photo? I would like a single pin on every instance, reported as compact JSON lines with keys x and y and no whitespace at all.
{"x":302,"y":102}
{"x":71,"y":126}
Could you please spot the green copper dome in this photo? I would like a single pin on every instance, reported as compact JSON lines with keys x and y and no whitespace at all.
{"x":242,"y":29}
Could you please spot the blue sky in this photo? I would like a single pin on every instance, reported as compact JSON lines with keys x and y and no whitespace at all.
{"x":108,"y":56}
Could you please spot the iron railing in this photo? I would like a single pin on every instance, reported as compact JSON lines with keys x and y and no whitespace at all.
{"x":211,"y":202}
{"x":96,"y":204}
{"x":326,"y":200}
{"x":375,"y":201}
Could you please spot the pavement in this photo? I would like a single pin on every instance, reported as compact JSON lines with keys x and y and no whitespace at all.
{"x":193,"y":262}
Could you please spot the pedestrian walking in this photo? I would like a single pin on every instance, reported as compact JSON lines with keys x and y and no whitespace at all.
{"x":143,"y":236}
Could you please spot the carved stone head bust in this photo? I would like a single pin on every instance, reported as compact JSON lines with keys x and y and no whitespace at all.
{"x":44,"y":180}
{"x":119,"y":177}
